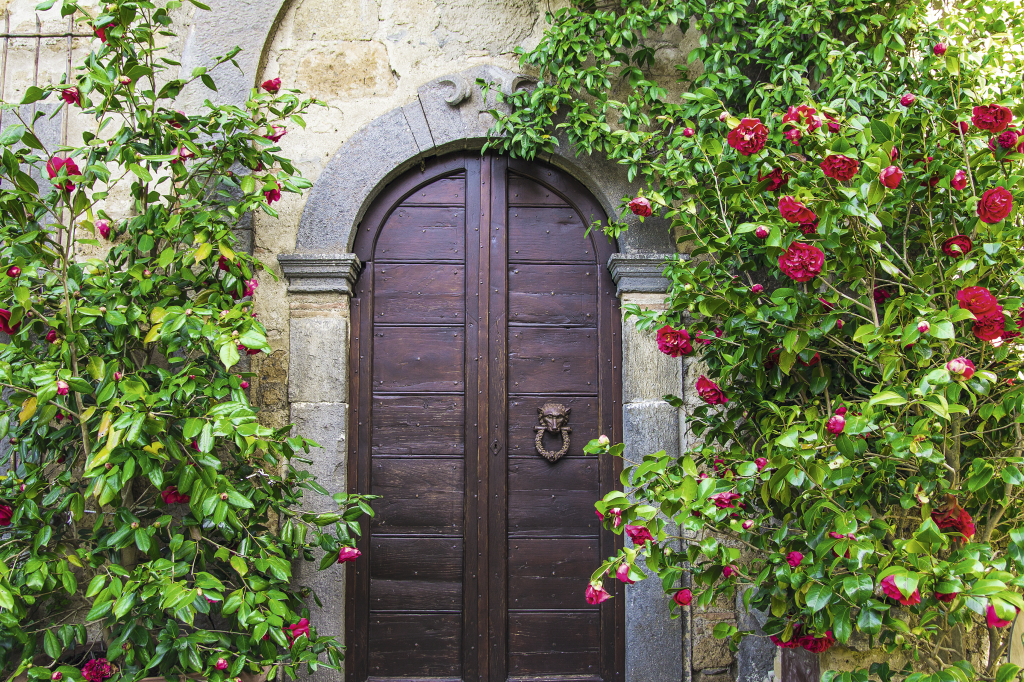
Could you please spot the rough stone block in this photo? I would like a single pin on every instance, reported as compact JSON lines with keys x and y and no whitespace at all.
{"x":354,"y":68}
{"x":756,"y":656}
{"x":329,"y":20}
{"x":318,"y":369}
{"x":654,"y":651}
{"x":329,"y":586}
{"x":649,"y":427}
{"x":712,"y":677}
{"x":647,"y":373}
{"x":709,"y":652}
{"x":327,"y":424}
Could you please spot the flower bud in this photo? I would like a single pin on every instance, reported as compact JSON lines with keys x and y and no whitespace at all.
{"x":13,"y":271}
{"x":244,"y":384}
{"x":147,"y":273}
{"x":689,"y":132}
{"x":221,"y":664}
{"x":908,"y":100}
{"x":124,"y":80}
{"x":224,"y":497}
{"x":757,"y":288}
{"x":836,"y":423}
{"x":103,"y":227}
{"x":62,"y":387}
{"x":748,"y":524}
{"x":939,"y":49}
{"x":723,"y":116}
{"x":135,"y":525}
{"x":603,"y":440}
{"x":118,"y":376}
{"x":56,"y":676}
{"x":762,"y":232}
{"x":103,"y":308}
{"x":923,"y":326}
{"x":51,"y":336}
{"x":960,"y":368}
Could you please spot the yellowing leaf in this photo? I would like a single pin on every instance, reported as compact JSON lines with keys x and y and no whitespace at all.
{"x":153,"y":334}
{"x":73,"y":559}
{"x":87,"y":415}
{"x":204,"y":251}
{"x":28,"y":409}
{"x":154,"y":447}
{"x":226,"y":251}
{"x":104,"y":424}
{"x":157,"y":315}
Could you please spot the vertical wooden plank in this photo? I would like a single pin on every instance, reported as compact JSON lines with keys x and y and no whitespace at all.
{"x":472,"y":642}
{"x":498,"y":423}
{"x":483,"y":643}
{"x":800,"y":665}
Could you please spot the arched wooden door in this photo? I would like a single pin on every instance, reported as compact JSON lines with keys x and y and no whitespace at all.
{"x":481,"y":299}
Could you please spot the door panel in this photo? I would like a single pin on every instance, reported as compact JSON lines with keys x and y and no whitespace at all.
{"x":480,"y":301}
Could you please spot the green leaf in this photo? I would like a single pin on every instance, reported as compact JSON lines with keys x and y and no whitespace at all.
{"x":1007,"y":672}
{"x":229,"y":354}
{"x":140,"y":172}
{"x":51,"y":646}
{"x":206,"y":438}
{"x":858,"y":587}
{"x":33,"y":94}
{"x":887,"y":398}
{"x":869,"y":621}
{"x":942,"y":329}
{"x":818,"y":596}
{"x":952,"y":65}
{"x":12,"y":134}
{"x":238,"y":563}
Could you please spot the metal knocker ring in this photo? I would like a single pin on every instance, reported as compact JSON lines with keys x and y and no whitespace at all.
{"x":552,"y":418}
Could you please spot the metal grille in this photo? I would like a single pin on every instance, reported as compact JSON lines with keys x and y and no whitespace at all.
{"x":38,"y":36}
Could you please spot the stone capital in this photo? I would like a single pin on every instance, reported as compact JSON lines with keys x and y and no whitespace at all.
{"x":313,"y":273}
{"x":639,"y":272}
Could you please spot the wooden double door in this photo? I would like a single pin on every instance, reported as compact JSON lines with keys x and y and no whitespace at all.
{"x":481,"y":300}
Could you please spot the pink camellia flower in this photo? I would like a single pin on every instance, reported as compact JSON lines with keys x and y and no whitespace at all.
{"x":959,"y":180}
{"x":171,"y":495}
{"x":891,"y":176}
{"x":939,"y":49}
{"x":995,"y":205}
{"x":992,"y":117}
{"x":617,"y":514}
{"x":14,"y":271}
{"x":832,"y":123}
{"x":622,"y":573}
{"x":978,"y":300}
{"x":809,"y":228}
{"x":793,"y":135}
{"x":51,"y":336}
{"x":276,"y":133}
{"x":835,"y":425}
{"x":248,"y":351}
{"x":5,"y":322}
{"x":794,"y":211}
{"x":97,"y":670}
{"x":803,"y":115}
{"x":946,"y":597}
{"x":923,"y":326}
{"x":841,"y":410}
{"x":762,"y":232}
{"x":272,"y":85}
{"x":182,"y":154}
{"x":689,"y":132}
{"x":709,"y":391}
{"x":776,"y":179}
{"x":748,"y":137}
{"x":989,"y":326}
{"x":272,"y":195}
{"x":674,"y":342}
{"x":893,"y":592}
{"x":949,"y":515}
{"x":683,"y":597}
{"x":840,"y":167}
{"x":794,"y":559}
{"x":801,"y":262}
{"x":6,"y":512}
{"x":1008,"y":139}
{"x":62,"y":387}
{"x":224,"y":264}
{"x":346,"y":554}
{"x":729,"y":571}
{"x":757,"y":288}
{"x":908,"y":100}
{"x":995,"y":621}
{"x":827,"y":305}
{"x":595,"y":594}
{"x":960,"y":245}
{"x":103,"y":227}
{"x":300,"y":629}
{"x":761,"y":463}
{"x":724,"y":500}
{"x":639,"y":535}
{"x":53,"y":167}
{"x":71,"y":96}
{"x":221,"y":664}
{"x":640,"y":206}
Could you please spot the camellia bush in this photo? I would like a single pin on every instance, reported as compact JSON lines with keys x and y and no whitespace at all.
{"x":150,"y":522}
{"x":845,"y":179}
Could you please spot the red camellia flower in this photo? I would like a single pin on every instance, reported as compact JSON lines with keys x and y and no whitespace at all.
{"x":71,"y":96}
{"x":992,"y":117}
{"x":5,"y":322}
{"x":832,"y":123}
{"x":761,"y":232}
{"x":6,"y":512}
{"x":51,"y":336}
{"x":103,"y":227}
{"x":683,"y":597}
{"x":946,"y":597}
{"x":881,"y":295}
{"x":978,"y":300}
{"x":817,"y":645}
{"x":803,"y":114}
{"x":908,"y":100}
{"x":748,"y":137}
{"x":596,"y":594}
{"x":729,"y":571}
{"x":939,"y":49}
{"x":709,"y":392}
{"x":959,"y":180}
{"x":272,"y":85}
{"x":793,"y":643}
{"x":97,"y":670}
{"x":794,"y":211}
{"x":890,"y":177}
{"x":300,"y":629}
{"x":272,"y":195}
{"x":757,"y":288}
{"x":221,"y":664}
{"x":1008,"y":139}
{"x":949,"y":515}
{"x":776,"y":179}
{"x":172,"y":496}
{"x":639,"y":535}
{"x":640,"y":206}
{"x":809,"y":228}
{"x":794,"y":559}
{"x":995,"y":205}
{"x":622,"y":573}
{"x":841,"y":410}
{"x":960,"y":245}
{"x":989,"y":326}
{"x":276,"y":133}
{"x":793,"y":135}
{"x":995,"y":621}
{"x":248,"y":351}
{"x":346,"y":554}
{"x":674,"y":342}
{"x":801,"y":262}
{"x":62,"y":387}
{"x":53,"y":167}
{"x":840,"y":167}
{"x":101,"y":31}
{"x":893,"y":592}
{"x":836,"y":423}
{"x":14,"y":271}
{"x":724,"y":500}
{"x":761,"y":463}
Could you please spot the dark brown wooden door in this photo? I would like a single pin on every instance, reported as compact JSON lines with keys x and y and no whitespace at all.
{"x":481,"y":299}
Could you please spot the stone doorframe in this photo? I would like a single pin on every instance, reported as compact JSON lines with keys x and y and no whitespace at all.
{"x":450,"y":114}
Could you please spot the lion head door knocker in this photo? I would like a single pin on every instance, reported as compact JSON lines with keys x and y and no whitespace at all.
{"x":553,"y":418}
